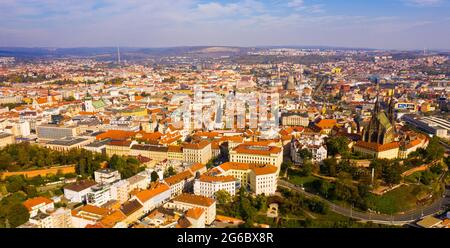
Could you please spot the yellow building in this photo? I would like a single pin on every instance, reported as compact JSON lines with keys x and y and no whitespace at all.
{"x":262,"y":179}
{"x":175,"y":153}
{"x":155,"y":152}
{"x":135,"y":112}
{"x":386,"y":151}
{"x":254,"y":154}
{"x":120,"y":148}
{"x":197,"y":152}
{"x":6,"y":139}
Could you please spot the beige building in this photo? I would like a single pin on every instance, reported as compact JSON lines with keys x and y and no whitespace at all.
{"x":208,"y":185}
{"x":155,"y":152}
{"x":187,"y":201}
{"x":67,"y":144}
{"x":120,"y":191}
{"x":197,"y":152}
{"x":175,"y":153}
{"x":387,"y":151}
{"x":262,"y":179}
{"x":295,"y":120}
{"x":179,"y":182}
{"x":255,"y":154}
{"x":120,"y":148}
{"x":6,"y":139}
{"x":59,"y":218}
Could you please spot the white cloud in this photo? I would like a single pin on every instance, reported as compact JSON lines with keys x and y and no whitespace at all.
{"x":296,"y":3}
{"x":423,"y":2}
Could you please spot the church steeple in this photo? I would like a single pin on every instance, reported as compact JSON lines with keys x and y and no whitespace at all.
{"x":391,"y":111}
{"x":381,"y":128}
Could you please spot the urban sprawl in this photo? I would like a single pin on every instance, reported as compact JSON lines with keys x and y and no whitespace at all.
{"x":360,"y":140}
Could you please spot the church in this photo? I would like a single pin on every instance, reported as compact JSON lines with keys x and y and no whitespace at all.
{"x":380,"y":138}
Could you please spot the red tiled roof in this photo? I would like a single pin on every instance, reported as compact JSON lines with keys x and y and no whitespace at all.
{"x":195,"y":199}
{"x":377,"y":147}
{"x":30,"y":203}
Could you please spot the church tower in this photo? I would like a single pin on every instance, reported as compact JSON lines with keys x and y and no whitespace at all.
{"x":381,"y":128}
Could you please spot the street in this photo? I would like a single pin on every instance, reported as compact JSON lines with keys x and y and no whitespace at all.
{"x":396,"y":219}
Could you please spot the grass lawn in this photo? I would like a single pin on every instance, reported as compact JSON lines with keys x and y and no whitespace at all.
{"x":398,"y":200}
{"x":298,"y":180}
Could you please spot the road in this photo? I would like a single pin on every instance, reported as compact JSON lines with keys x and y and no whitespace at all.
{"x":396,"y":219}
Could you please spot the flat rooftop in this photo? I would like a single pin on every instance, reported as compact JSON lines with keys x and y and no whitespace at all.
{"x":67,"y":141}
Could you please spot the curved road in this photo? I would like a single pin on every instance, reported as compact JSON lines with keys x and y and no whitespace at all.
{"x":396,"y":219}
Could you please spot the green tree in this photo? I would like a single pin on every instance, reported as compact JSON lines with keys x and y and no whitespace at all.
{"x":392,"y":174}
{"x":286,"y":166}
{"x":222,"y":196}
{"x":169,"y":172}
{"x":447,"y":162}
{"x":338,"y":145}
{"x":306,"y":169}
{"x":435,"y":150}
{"x":426,"y":177}
{"x":329,"y":167}
{"x":17,"y":215}
{"x":261,"y":202}
{"x":305,"y":154}
{"x":154,"y":176}
{"x":36,"y":181}
{"x":15,"y":183}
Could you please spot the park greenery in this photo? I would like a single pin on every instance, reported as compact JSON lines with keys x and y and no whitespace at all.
{"x":341,"y":181}
{"x":12,"y":212}
{"x":26,"y":156}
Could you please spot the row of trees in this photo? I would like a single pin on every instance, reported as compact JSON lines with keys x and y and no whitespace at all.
{"x":295,"y":204}
{"x":23,"y":156}
{"x":244,"y":205}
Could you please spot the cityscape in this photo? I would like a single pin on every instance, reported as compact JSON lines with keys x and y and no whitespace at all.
{"x":230,"y":135}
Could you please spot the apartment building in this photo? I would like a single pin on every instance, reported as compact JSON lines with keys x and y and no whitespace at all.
{"x":106,"y":176}
{"x":120,"y":191}
{"x":156,"y":152}
{"x":38,"y":204}
{"x":59,"y":218}
{"x":175,"y":153}
{"x":261,"y":179}
{"x":76,"y":192}
{"x":153,"y":197}
{"x":295,"y":119}
{"x":179,"y":182}
{"x":208,"y":185}
{"x":67,"y":144}
{"x":257,"y":154}
{"x":6,"y":139}
{"x":197,"y":152}
{"x":185,"y":202}
{"x":54,"y":132}
{"x":119,"y":147}
{"x":100,"y":194}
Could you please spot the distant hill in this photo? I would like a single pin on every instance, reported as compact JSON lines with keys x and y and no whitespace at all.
{"x":111,"y":52}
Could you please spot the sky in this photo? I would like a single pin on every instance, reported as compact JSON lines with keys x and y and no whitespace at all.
{"x":383,"y":24}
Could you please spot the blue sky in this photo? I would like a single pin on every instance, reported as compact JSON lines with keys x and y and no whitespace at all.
{"x":396,"y":24}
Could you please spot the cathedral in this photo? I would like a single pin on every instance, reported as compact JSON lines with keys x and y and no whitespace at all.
{"x":380,"y":138}
{"x":381,"y":128}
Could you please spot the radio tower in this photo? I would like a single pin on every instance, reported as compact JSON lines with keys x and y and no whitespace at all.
{"x":118,"y":55}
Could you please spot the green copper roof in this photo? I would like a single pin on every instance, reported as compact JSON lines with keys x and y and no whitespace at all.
{"x":98,"y":104}
{"x":384,"y":120}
